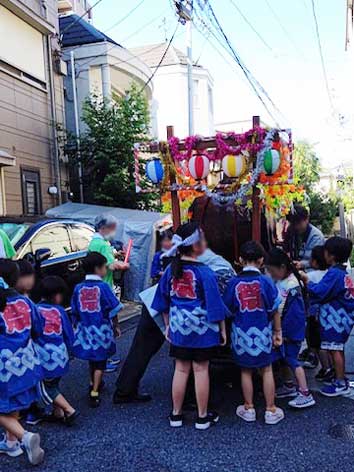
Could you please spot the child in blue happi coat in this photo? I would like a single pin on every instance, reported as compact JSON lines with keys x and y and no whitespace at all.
{"x":94,"y":311}
{"x":20,"y":370}
{"x":335,"y":296}
{"x":160,"y":262}
{"x":253,"y":301}
{"x":194,"y":315}
{"x":293,"y":323}
{"x":54,"y":345}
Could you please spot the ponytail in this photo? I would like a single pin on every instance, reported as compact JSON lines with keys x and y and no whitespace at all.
{"x":177,"y":267}
{"x":184,"y":232}
{"x":9,"y":273}
{"x":3,"y":298}
{"x":277,"y":258}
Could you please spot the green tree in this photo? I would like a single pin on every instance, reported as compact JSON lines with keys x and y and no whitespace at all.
{"x":107,"y":149}
{"x":307,"y":168}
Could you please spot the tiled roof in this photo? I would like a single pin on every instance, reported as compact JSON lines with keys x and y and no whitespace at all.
{"x":152,"y":54}
{"x":80,"y":32}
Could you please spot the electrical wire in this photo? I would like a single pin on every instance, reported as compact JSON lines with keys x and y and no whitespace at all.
{"x":285,"y":31}
{"x":248,"y":75}
{"x":145,"y":26}
{"x":251,"y":26}
{"x":125,"y":17}
{"x":162,"y":58}
{"x":70,"y":25}
{"x":324,"y":70}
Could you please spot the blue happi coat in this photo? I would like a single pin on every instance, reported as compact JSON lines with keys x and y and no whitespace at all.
{"x":93,"y":306}
{"x":335,"y":296}
{"x":292,"y":309}
{"x":156,"y":266}
{"x":194,"y":305}
{"x":55,"y":342}
{"x":20,"y":369}
{"x":252,"y":299}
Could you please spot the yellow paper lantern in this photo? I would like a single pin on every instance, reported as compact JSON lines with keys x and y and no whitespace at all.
{"x":234,"y":165}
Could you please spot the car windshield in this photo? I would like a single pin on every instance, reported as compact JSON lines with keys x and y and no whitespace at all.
{"x":14,"y":230}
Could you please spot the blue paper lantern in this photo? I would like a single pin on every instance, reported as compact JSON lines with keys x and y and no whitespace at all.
{"x":154,"y":170}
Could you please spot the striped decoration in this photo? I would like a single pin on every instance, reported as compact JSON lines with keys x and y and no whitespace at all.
{"x":234,"y":165}
{"x":271,"y":161}
{"x":198,"y":166}
{"x":154,"y":170}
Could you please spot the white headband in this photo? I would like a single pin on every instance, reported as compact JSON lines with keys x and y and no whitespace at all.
{"x":177,"y":241}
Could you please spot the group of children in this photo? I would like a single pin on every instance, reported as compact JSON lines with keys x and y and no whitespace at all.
{"x":37,"y":342}
{"x":272,"y":308}
{"x":269,"y":303}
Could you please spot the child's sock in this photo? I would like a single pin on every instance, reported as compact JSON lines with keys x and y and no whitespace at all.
{"x":305,"y":392}
{"x":11,"y":443}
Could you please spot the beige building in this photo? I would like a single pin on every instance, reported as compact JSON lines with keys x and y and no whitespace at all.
{"x":31,"y":107}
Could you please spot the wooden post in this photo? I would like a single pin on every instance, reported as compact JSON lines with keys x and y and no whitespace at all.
{"x":176,"y":210}
{"x":256,"y":207}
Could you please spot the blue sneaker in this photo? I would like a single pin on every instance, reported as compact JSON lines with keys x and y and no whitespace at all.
{"x":110,"y":367}
{"x":336,"y":388}
{"x":13,"y":451}
{"x":114,"y":361}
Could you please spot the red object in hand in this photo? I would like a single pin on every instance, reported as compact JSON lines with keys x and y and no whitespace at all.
{"x":129,"y":249}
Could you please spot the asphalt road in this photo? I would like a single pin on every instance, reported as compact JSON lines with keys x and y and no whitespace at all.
{"x":138,"y":437}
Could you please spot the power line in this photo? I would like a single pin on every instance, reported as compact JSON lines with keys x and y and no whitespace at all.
{"x":251,"y":26}
{"x":144,"y":26}
{"x":251,"y":80}
{"x":324,"y":71}
{"x":285,"y":31}
{"x":125,"y":17}
{"x":162,"y":58}
{"x":70,"y":25}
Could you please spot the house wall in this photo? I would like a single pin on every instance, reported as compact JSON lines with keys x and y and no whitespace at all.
{"x":26,"y":130}
{"x":170,"y":94}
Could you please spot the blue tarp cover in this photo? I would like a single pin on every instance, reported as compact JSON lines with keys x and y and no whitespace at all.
{"x":140,"y":226}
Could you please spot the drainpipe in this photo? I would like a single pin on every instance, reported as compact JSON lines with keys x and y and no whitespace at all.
{"x":53,"y":111}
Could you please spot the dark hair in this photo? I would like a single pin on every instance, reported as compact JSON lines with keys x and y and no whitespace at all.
{"x":184,"y":231}
{"x":298,"y":214}
{"x":340,"y":248}
{"x":10,"y":272}
{"x":26,"y":268}
{"x":167,"y":234}
{"x":277,"y":258}
{"x":51,"y":286}
{"x":251,"y":251}
{"x":317,"y":255}
{"x":93,"y":261}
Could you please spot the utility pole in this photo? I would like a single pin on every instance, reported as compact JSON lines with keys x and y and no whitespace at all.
{"x":185,"y":12}
{"x":77,"y":124}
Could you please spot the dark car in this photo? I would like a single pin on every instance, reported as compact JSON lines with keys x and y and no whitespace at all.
{"x":55,"y":247}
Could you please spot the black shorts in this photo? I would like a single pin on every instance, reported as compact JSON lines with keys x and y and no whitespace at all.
{"x":98,"y":365}
{"x":193,"y":354}
{"x":313,"y":333}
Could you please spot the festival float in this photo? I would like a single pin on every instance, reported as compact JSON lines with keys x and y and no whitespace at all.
{"x":235,"y":185}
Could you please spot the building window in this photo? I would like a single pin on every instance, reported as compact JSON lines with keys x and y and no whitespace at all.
{"x":31,"y":192}
{"x":26,"y":53}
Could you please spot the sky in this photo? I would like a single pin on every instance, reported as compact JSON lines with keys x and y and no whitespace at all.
{"x":283,"y":56}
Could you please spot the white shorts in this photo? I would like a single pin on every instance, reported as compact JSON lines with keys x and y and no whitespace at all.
{"x":332,"y":346}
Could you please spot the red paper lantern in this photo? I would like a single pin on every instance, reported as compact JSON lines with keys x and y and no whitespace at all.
{"x":199,"y":166}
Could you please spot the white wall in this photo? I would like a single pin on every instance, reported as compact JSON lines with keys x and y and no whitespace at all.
{"x":171,"y":96}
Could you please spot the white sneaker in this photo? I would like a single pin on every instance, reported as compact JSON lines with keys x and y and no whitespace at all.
{"x":31,"y":443}
{"x":274,"y":418}
{"x":247,"y":414}
{"x":302,"y":401}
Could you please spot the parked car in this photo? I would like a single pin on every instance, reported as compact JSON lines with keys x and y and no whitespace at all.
{"x":55,"y":247}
